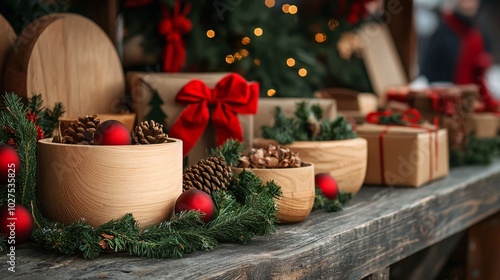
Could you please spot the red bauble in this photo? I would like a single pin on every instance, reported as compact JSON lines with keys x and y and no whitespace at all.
{"x":112,"y":133}
{"x":16,"y":223}
{"x":10,"y":163}
{"x":196,"y":200}
{"x":327,"y":184}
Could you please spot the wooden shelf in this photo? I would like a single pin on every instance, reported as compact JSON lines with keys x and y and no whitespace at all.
{"x":380,"y":227}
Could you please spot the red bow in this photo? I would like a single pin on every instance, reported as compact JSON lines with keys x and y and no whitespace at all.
{"x":232,"y":95}
{"x":173,"y":27}
{"x":409,"y":116}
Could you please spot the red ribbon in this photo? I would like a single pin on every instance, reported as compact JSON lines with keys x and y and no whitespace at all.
{"x":412,"y":116}
{"x":173,"y":26}
{"x":232,"y":95}
{"x":440,"y":100}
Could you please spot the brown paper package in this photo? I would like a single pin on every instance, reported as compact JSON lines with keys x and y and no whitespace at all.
{"x":141,"y":85}
{"x":265,"y":112}
{"x":409,"y":155}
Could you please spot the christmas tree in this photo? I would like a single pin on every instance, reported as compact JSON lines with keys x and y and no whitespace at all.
{"x":156,"y":113}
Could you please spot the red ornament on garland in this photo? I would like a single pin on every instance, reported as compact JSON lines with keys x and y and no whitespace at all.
{"x":327,"y":184}
{"x":112,"y":133}
{"x":10,"y":163}
{"x":196,"y":200}
{"x":16,"y":223}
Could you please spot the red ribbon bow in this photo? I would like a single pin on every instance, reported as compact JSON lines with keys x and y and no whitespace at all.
{"x":173,"y":27}
{"x":409,"y":116}
{"x":232,"y":95}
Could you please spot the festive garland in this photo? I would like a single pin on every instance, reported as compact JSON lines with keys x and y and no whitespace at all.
{"x":245,"y":210}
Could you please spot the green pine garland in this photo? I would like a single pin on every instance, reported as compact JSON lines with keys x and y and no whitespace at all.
{"x":331,"y":205}
{"x":307,"y":126}
{"x":247,"y":209}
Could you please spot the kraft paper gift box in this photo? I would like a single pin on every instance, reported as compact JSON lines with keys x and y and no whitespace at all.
{"x":483,"y":125}
{"x":142,"y":86}
{"x":405,"y":156}
{"x":265,"y":112}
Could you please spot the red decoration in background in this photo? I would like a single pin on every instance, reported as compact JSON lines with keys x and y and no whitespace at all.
{"x":410,"y":116}
{"x":173,"y":26}
{"x":10,"y":163}
{"x":232,"y":95}
{"x":327,"y":184}
{"x":136,"y":3}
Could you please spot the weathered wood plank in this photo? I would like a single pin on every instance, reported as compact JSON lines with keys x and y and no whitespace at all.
{"x":380,"y":227}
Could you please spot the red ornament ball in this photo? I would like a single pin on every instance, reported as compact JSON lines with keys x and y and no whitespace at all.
{"x":16,"y":223}
{"x":10,"y":162}
{"x":196,"y":200}
{"x":327,"y":184}
{"x":112,"y":133}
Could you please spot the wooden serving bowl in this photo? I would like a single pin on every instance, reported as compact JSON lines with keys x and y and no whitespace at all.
{"x":297,"y":185}
{"x":100,"y":183}
{"x":345,"y":160}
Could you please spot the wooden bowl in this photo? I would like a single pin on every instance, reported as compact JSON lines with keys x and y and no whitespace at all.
{"x":345,"y":160}
{"x":127,"y":119}
{"x":297,"y":185}
{"x":100,"y":183}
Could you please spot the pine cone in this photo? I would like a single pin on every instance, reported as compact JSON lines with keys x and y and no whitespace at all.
{"x":271,"y":157}
{"x":148,"y":133}
{"x":80,"y":132}
{"x":208,"y":175}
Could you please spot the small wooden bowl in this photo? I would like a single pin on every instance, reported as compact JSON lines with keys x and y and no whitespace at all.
{"x":100,"y":183}
{"x":345,"y":160}
{"x":127,"y":119}
{"x":297,"y":185}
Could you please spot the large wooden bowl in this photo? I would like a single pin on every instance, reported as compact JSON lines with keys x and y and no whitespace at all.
{"x":100,"y":183}
{"x":345,"y":160}
{"x":297,"y":185}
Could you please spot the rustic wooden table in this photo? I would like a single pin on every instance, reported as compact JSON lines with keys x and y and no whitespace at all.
{"x":380,"y":227}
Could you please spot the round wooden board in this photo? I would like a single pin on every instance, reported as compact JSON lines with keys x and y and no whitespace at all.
{"x":7,"y":39}
{"x":67,"y":58}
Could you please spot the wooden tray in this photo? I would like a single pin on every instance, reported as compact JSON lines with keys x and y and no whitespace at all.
{"x":7,"y":38}
{"x":67,"y":58}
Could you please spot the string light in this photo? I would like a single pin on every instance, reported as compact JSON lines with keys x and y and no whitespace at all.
{"x":256,"y":61}
{"x":238,"y":56}
{"x":293,"y":9}
{"x":245,"y":41}
{"x":244,"y":52}
{"x":285,"y":8}
{"x":290,"y":62}
{"x":270,"y":3}
{"x":210,"y":33}
{"x":271,"y":92}
{"x":229,"y":58}
{"x":333,"y":24}
{"x":302,"y":72}
{"x":320,"y":37}
{"x":258,"y":31}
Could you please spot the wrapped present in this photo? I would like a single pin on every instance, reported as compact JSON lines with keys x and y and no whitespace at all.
{"x":201,"y":109}
{"x":265,"y":113}
{"x":483,"y":125}
{"x":402,"y":152}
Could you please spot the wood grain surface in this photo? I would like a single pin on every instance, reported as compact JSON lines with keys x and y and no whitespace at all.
{"x":378,"y":228}
{"x":297,"y":185}
{"x":7,"y":38}
{"x":100,"y":183}
{"x":67,"y":58}
{"x":345,"y":160}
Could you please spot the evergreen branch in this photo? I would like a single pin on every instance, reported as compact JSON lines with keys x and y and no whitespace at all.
{"x":230,"y":151}
{"x":329,"y":205}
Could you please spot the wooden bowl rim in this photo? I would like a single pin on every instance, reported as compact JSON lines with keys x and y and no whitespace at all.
{"x":313,"y":144}
{"x":48,"y":141}
{"x":128,"y":115}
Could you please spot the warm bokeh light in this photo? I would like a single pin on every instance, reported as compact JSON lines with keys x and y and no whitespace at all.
{"x":258,"y":31}
{"x":229,"y":58}
{"x":270,"y":3}
{"x":256,"y":61}
{"x":244,"y":52}
{"x":320,"y":37}
{"x":333,"y":24}
{"x":302,"y":72}
{"x":285,"y":8}
{"x":293,"y":9}
{"x":245,"y":41}
{"x":290,"y":62}
{"x":238,"y":56}
{"x":210,"y":33}
{"x":271,"y":92}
